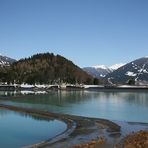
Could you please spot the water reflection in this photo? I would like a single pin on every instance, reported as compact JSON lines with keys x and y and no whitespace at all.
{"x":4,"y":112}
{"x":127,"y":106}
{"x":22,"y":129}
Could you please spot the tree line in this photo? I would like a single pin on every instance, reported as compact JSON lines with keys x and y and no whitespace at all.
{"x":45,"y":68}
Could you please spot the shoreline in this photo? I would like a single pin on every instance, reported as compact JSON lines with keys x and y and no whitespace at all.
{"x":80,"y":129}
{"x":47,"y":88}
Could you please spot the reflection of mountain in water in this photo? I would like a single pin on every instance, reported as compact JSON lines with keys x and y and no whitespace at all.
{"x":122,"y":106}
{"x":61,"y":98}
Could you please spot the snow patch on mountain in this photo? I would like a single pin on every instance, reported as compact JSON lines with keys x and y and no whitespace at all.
{"x":116,"y":66}
{"x":132,"y":74}
{"x":100,"y":66}
{"x":101,"y":75}
{"x":145,"y":71}
{"x":5,"y":61}
{"x":100,"y":71}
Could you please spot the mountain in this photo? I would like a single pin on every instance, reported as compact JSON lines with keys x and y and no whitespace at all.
{"x":116,"y":66}
{"x":136,"y":70}
{"x":100,"y":71}
{"x":46,"y":68}
{"x":6,"y":61}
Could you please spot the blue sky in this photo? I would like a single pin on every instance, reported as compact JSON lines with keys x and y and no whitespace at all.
{"x":88,"y":32}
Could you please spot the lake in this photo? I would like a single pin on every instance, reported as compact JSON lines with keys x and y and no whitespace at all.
{"x":121,"y":106}
{"x":20,"y":129}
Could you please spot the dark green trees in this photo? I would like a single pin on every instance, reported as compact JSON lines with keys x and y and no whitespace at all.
{"x":45,"y":69}
{"x":131,"y":81}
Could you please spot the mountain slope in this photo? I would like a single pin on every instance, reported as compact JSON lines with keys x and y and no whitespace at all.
{"x":136,"y":70}
{"x":100,"y":71}
{"x":47,"y":69}
{"x":116,"y":66}
{"x":6,"y":61}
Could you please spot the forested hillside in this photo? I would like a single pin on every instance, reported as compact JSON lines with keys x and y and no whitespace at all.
{"x":44,"y":68}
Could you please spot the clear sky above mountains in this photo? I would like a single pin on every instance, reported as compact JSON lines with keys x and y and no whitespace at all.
{"x":88,"y":32}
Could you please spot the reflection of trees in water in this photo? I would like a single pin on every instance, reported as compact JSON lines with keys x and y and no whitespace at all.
{"x":7,"y":93}
{"x":140,"y":98}
{"x":61,"y":98}
{"x":34,"y":116}
{"x":5,"y":112}
{"x":53,"y":98}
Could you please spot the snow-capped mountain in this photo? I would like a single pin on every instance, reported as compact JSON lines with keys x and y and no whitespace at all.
{"x":116,"y":66}
{"x":100,"y":67}
{"x":100,"y":71}
{"x":96,"y":72}
{"x":136,"y":70}
{"x":5,"y":61}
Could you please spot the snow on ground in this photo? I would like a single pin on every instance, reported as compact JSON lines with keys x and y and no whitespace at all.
{"x":26,"y":86}
{"x":131,"y":86}
{"x":40,"y":86}
{"x":93,"y":86}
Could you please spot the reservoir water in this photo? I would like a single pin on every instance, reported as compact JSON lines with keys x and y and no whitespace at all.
{"x":20,"y":129}
{"x":121,"y":106}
